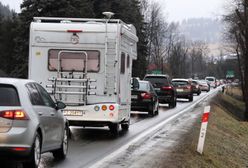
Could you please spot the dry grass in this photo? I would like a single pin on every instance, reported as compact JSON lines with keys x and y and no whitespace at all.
{"x":226,"y":144}
{"x":235,"y":92}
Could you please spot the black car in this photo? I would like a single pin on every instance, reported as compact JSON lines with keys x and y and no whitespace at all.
{"x":145,"y":99}
{"x":164,"y":89}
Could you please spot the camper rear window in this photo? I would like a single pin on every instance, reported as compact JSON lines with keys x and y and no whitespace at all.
{"x":74,"y":60}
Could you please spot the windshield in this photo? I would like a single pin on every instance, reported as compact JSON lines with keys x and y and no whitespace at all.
{"x":210,"y":79}
{"x":143,"y":86}
{"x":180,"y":83}
{"x":8,"y":96}
{"x":157,"y":81}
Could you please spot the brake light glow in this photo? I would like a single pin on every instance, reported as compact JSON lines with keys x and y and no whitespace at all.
{"x":14,"y":115}
{"x":111,"y":107}
{"x":187,"y":87}
{"x":19,"y":149}
{"x":167,"y":88}
{"x":74,"y":31}
{"x":146,"y":95}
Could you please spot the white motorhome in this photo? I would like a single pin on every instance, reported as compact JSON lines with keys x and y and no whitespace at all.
{"x":87,"y":64}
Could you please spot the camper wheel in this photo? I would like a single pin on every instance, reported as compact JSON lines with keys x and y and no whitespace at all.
{"x":114,"y":128}
{"x":125,"y":126}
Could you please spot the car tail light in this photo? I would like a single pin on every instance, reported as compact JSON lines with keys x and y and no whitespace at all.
{"x":111,"y":107}
{"x":146,"y":95}
{"x":167,"y":88}
{"x":188,"y":87}
{"x":14,"y":115}
{"x":74,"y":31}
{"x":19,"y":149}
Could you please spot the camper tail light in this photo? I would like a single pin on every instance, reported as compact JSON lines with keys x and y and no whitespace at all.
{"x":74,"y":31}
{"x":96,"y":108}
{"x":104,"y":108}
{"x":111,"y":107}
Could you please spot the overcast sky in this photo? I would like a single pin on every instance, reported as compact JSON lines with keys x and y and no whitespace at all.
{"x":176,"y":10}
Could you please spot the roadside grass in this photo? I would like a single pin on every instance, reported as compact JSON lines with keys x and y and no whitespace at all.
{"x":235,"y":92}
{"x":232,"y":106}
{"x":226,"y":144}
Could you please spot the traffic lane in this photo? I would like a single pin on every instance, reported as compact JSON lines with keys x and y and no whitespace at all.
{"x":89,"y":145}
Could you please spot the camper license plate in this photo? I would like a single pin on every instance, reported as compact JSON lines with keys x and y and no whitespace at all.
{"x":73,"y":112}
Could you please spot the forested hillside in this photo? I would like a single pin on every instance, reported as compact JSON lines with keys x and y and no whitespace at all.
{"x":5,"y":11}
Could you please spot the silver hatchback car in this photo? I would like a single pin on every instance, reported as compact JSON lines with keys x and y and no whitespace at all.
{"x":30,"y":122}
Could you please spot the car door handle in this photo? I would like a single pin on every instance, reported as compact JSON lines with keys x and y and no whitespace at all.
{"x":52,"y":114}
{"x":40,"y":113}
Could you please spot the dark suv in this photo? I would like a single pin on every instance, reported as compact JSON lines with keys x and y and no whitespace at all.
{"x":164,"y":88}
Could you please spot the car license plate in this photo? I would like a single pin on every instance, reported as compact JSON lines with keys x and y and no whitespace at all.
{"x":156,"y":88}
{"x":134,"y":96}
{"x":179,"y":90}
{"x":73,"y":113}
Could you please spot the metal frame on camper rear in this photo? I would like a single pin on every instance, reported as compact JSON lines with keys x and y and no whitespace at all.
{"x":87,"y":64}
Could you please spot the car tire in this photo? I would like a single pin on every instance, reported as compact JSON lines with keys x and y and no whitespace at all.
{"x":114,"y":129}
{"x":151,"y":110}
{"x":191,"y":98}
{"x":61,"y":153}
{"x":35,"y":156}
{"x":125,"y":126}
{"x":173,"y":103}
{"x":157,"y":109}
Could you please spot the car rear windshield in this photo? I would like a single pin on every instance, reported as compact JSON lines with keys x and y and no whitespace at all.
{"x":210,"y":79}
{"x":8,"y":96}
{"x":180,"y":83}
{"x":157,"y":81}
{"x":195,"y":82}
{"x":143,"y":86}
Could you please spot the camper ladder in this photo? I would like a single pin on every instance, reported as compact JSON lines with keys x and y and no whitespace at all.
{"x":111,"y":63}
{"x":71,"y":87}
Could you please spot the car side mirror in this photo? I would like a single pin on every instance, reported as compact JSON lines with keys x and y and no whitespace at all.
{"x":60,"y":105}
{"x":135,"y":84}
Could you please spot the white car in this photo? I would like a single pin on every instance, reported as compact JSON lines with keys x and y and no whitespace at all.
{"x":212,"y":81}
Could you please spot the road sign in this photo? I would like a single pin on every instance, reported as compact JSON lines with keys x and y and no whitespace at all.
{"x":230,"y":74}
{"x":156,"y":72}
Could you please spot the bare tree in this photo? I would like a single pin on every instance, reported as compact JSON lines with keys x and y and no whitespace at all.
{"x":238,"y":30}
{"x":157,"y":27}
{"x":198,"y":56}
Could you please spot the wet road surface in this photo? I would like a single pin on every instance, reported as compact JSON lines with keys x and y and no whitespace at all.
{"x":88,"y":145}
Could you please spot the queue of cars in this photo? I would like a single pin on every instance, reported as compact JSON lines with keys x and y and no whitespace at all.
{"x":158,"y":88}
{"x":31,"y":123}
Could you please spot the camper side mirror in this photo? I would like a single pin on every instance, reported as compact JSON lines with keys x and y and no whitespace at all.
{"x":134,"y":84}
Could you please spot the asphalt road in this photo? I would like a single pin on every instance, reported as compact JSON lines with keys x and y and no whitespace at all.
{"x":89,"y":145}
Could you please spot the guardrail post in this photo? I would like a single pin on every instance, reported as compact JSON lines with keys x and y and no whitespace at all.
{"x":203,"y":130}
